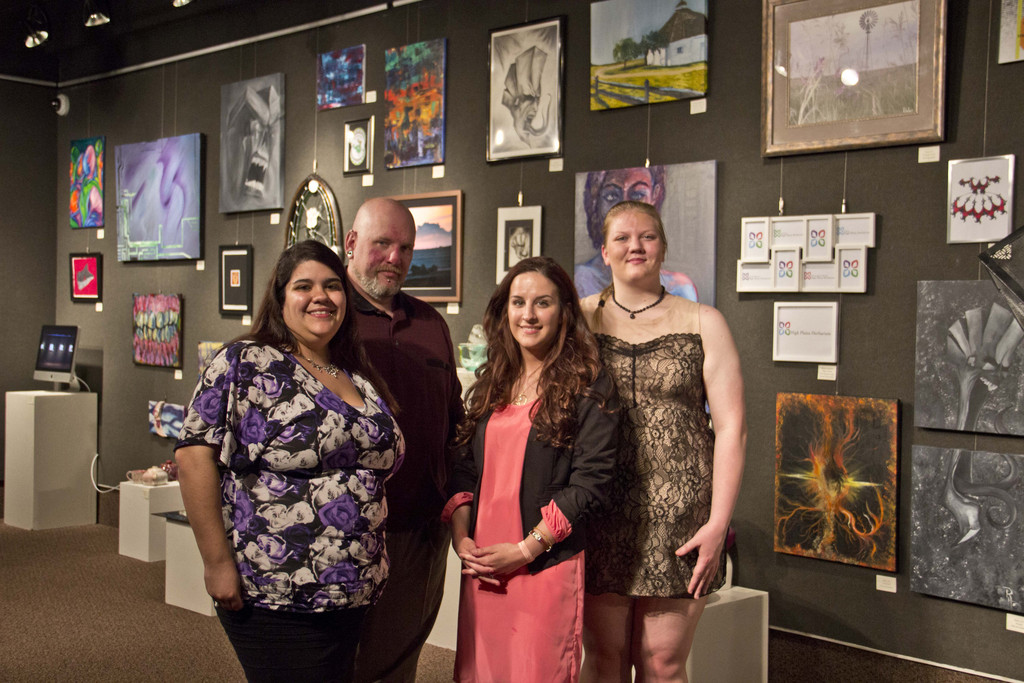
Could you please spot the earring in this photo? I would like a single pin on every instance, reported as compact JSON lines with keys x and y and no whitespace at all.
{"x":348,"y":253}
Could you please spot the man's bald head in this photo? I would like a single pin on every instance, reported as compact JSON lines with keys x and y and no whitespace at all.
{"x":379,"y":247}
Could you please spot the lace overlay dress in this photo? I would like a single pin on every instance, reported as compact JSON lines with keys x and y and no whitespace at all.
{"x":661,"y":492}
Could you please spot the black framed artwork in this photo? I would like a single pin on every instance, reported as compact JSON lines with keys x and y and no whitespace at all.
{"x":358,"y":147}
{"x":86,"y":275}
{"x":236,"y":280}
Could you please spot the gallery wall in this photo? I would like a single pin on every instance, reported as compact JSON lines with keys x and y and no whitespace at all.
{"x":877,"y":329}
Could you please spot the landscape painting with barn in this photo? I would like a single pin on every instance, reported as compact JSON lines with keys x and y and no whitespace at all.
{"x":647,"y":51}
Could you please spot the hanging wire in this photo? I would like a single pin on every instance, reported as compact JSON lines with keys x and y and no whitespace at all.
{"x":846,"y":158}
{"x":988,"y":59}
{"x":521,"y":164}
{"x":163,"y":80}
{"x":316,"y":104}
{"x":782,"y":203}
{"x":647,"y":156}
{"x":174,"y":128}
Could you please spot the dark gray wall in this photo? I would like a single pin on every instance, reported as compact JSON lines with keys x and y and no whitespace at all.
{"x":877,"y":343}
{"x":28,"y":236}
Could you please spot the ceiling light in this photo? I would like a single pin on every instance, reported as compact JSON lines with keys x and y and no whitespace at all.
{"x":36,"y":26}
{"x":180,"y":3}
{"x":95,"y":14}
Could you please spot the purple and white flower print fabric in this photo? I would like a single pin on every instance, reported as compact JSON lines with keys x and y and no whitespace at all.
{"x":302,"y":478}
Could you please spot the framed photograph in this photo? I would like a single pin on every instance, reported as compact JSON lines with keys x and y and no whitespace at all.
{"x":753,"y":277}
{"x":789,"y":231}
{"x":786,"y":274}
{"x":435,"y":274}
{"x":756,"y":237}
{"x":806,"y":332}
{"x":236,"y":280}
{"x":358,"y":147}
{"x":527,"y":73}
{"x":86,"y":276}
{"x":979,"y":207}
{"x":855,"y":230}
{"x":518,"y":237}
{"x":852,"y":264}
{"x":842,"y":74}
{"x":820,"y":276}
{"x":820,"y":237}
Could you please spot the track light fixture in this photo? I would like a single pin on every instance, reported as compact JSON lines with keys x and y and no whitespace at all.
{"x":95,"y":14}
{"x":180,"y":3}
{"x":36,"y":26}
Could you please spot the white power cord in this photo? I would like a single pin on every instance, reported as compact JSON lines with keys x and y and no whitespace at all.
{"x":100,"y":488}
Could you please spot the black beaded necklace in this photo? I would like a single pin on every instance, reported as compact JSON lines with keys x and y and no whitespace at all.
{"x":633,"y":314}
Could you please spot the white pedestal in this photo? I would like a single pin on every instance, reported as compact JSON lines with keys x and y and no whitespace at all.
{"x":140,"y":534}
{"x":732,"y":638}
{"x":49,"y":447}
{"x":184,"y":585}
{"x":446,"y":627}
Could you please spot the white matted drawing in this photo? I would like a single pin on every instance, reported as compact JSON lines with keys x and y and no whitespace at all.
{"x":518,"y":236}
{"x":979,"y":206}
{"x":806,"y":332}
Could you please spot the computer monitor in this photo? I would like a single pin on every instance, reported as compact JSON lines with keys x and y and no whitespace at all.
{"x":55,"y":361}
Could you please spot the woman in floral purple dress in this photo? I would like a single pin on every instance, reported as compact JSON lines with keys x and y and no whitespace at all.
{"x":282,"y":461}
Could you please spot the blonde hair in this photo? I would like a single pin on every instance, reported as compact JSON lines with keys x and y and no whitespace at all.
{"x":613,"y":213}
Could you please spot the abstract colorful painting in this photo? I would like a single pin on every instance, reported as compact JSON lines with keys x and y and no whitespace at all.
{"x":156,"y":329}
{"x":684,"y":194}
{"x":252,"y":144}
{"x":649,"y":51}
{"x":86,"y":174}
{"x":340,"y":76}
{"x":965,"y":526}
{"x":166,"y":419}
{"x":159,"y":190}
{"x":969,"y":359}
{"x":414,"y":100}
{"x":835,"y":478}
{"x":206,"y":351}
{"x":86,"y":276}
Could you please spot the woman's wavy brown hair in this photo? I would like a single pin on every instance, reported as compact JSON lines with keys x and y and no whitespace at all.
{"x":571,"y":366}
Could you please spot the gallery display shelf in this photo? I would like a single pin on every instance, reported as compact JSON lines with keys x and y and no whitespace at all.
{"x":184,"y":585}
{"x":140,"y":534}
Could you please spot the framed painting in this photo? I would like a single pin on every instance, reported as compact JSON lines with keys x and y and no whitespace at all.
{"x":86,"y":175}
{"x":806,"y":332}
{"x":314,"y":214}
{"x":340,"y":78}
{"x":166,"y":419}
{"x":159,"y":199}
{"x":965,"y":526}
{"x":156,"y":329}
{"x":252,"y":144}
{"x":435,"y":273}
{"x":969,"y":372}
{"x":526,"y":109}
{"x":236,"y":280}
{"x":835,"y":478}
{"x":518,"y":237}
{"x":842,"y":74}
{"x":683,"y":194}
{"x":646,"y":52}
{"x":86,"y":275}
{"x":980,"y":200}
{"x":1011,"y":31}
{"x":414,"y":77}
{"x":358,"y":157}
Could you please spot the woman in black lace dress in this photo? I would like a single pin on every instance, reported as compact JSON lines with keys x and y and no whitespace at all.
{"x":655,"y":555}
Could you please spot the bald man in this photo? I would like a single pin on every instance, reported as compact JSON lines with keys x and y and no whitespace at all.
{"x":410,"y":346}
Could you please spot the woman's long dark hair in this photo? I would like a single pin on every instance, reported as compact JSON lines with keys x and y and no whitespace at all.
{"x":346,"y":348}
{"x":571,"y":366}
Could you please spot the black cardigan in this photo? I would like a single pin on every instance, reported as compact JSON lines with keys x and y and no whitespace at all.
{"x":576,"y":479}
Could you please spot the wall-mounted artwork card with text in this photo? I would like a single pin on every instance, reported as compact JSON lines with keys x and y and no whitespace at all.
{"x":252,"y":144}
{"x":966,"y":526}
{"x":414,"y":100}
{"x":340,"y":77}
{"x":835,"y":478}
{"x":645,"y":52}
{"x":85,"y":172}
{"x":156,"y":329}
{"x":969,"y":359}
{"x":159,"y":199}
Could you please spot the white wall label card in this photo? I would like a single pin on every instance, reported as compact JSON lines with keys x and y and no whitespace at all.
{"x":99,"y":306}
{"x":827,"y":373}
{"x":555,"y":165}
{"x":371,"y":96}
{"x":928,"y":155}
{"x":698,"y":106}
{"x":275,"y":218}
{"x":247,"y":320}
{"x":437,"y":171}
{"x":452,"y":308}
{"x":200,"y":264}
{"x":178,"y":374}
{"x":1015,"y":622}
{"x":885,"y":583}
{"x":99,"y":234}
{"x":368,"y":180}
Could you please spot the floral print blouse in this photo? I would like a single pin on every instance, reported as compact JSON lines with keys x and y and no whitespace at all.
{"x":302,"y":478}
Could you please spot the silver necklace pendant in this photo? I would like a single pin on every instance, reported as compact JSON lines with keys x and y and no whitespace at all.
{"x":331,"y":369}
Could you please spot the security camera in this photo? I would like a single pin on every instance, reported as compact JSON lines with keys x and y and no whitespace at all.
{"x":61,"y":104}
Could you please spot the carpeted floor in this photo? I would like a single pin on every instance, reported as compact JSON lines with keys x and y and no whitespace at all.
{"x":72,"y":608}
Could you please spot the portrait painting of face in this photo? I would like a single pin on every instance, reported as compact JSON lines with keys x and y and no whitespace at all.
{"x":526,"y":91}
{"x":683,"y":194}
{"x":252,"y":144}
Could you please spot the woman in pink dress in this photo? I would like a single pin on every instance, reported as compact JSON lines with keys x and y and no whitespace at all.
{"x":539,"y":440}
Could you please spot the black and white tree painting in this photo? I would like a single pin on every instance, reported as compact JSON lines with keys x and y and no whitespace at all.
{"x":965,"y":518}
{"x":969,"y":359}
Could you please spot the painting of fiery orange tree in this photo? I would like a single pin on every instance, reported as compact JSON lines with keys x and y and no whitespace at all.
{"x":835,"y":478}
